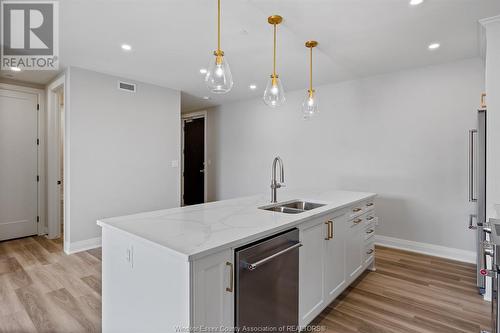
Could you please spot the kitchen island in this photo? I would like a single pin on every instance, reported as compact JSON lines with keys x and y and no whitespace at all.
{"x":173,"y":270}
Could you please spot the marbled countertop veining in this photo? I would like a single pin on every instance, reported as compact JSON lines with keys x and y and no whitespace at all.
{"x":199,"y":230}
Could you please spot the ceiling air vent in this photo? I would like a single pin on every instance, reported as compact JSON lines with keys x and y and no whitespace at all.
{"x":130,"y":87}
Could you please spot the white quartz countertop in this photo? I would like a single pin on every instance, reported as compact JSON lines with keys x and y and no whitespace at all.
{"x":199,"y":230}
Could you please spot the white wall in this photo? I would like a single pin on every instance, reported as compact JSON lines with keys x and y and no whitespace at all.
{"x":119,"y":148}
{"x":401,"y":135}
{"x":493,"y":116}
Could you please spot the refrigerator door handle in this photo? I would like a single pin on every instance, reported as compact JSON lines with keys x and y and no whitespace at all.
{"x":471,"y":165}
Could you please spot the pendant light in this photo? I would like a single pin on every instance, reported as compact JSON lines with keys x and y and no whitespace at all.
{"x":310,"y":105}
{"x":218,"y":78}
{"x":274,"y":95}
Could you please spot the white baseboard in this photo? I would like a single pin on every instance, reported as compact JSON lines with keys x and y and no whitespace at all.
{"x":83,"y":245}
{"x":425,"y":248}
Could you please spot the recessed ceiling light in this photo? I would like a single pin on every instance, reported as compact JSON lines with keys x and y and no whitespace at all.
{"x":416,"y":2}
{"x":252,"y":86}
{"x":203,"y":71}
{"x":434,"y":46}
{"x":206,"y":97}
{"x":15,"y":69}
{"x":126,"y":47}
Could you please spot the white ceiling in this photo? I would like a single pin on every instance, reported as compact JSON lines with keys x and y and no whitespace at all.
{"x":173,"y":39}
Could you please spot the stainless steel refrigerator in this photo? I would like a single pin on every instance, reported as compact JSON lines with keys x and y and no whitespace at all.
{"x":477,"y":190}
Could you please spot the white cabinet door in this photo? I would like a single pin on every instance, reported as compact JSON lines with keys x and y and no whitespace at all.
{"x":213,"y":291}
{"x":312,"y":258}
{"x":335,"y":279}
{"x":354,"y":249}
{"x":145,"y":288}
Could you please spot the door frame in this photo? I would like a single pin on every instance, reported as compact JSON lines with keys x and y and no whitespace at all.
{"x":41,"y":116}
{"x":190,"y":116}
{"x":54,"y":160}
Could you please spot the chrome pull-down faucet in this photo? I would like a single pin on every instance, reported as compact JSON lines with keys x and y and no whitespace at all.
{"x":274,"y":184}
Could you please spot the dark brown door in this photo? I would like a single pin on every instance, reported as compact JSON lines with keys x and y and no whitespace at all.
{"x":194,"y":158}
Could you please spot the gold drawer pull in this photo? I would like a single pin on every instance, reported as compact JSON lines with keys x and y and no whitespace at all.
{"x":356,"y":221}
{"x":231,"y":277}
{"x":330,"y":230}
{"x":369,"y":218}
{"x":370,"y":231}
{"x":369,"y":204}
{"x":356,"y":209}
{"x":370,"y":251}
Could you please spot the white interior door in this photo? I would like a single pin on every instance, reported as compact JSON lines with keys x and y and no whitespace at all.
{"x":18,"y":164}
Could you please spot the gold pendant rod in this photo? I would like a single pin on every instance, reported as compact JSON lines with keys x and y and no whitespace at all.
{"x":311,"y":71}
{"x":274,"y":53}
{"x":310,"y":44}
{"x":218,"y":25}
{"x":274,"y":20}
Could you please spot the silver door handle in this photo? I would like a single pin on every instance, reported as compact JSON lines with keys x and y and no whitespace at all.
{"x":202,"y":170}
{"x":256,"y":264}
{"x":471,"y":222}
{"x":471,"y":165}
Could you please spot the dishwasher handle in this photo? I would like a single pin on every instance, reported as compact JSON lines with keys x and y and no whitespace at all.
{"x":256,"y":264}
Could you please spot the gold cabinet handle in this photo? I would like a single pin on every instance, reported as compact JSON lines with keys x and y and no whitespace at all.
{"x":370,"y":251}
{"x":329,"y":230}
{"x":356,"y":209}
{"x":369,"y":204}
{"x":231,"y":277}
{"x":483,"y":100}
{"x":356,"y":221}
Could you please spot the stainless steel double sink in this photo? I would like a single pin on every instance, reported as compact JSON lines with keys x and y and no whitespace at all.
{"x":292,"y":207}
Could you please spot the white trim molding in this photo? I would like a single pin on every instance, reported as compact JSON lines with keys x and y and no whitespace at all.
{"x":83,"y":245}
{"x":483,"y":23}
{"x":426,"y":248}
{"x":53,"y":159}
{"x":489,"y":20}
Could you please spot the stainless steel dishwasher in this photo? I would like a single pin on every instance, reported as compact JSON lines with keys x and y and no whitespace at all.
{"x":267,"y":284}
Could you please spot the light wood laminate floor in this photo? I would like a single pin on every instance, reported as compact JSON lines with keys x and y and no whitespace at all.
{"x":44,"y":290}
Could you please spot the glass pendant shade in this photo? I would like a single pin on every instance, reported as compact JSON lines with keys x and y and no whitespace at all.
{"x":310,"y":105}
{"x":218,"y":78}
{"x":274,"y":95}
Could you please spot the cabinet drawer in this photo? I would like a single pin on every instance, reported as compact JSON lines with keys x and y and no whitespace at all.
{"x":358,"y":222}
{"x":356,"y":211}
{"x":369,"y":205}
{"x":369,"y":252}
{"x":361,"y":209}
{"x":370,"y":218}
{"x":364,"y":219}
{"x":370,"y":231}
